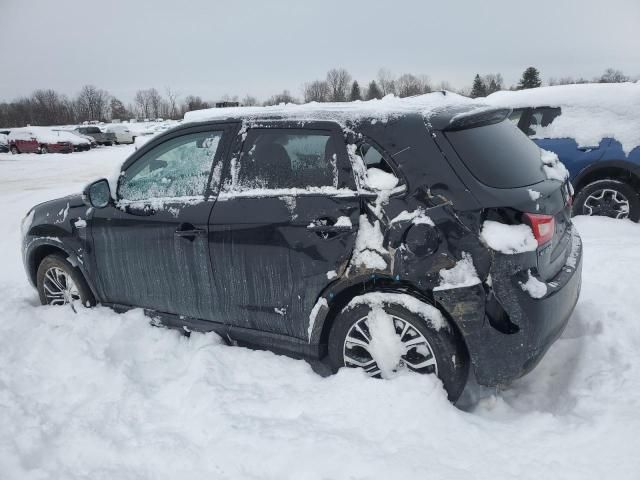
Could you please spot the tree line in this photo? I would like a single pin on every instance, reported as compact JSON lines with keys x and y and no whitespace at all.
{"x":48,"y":107}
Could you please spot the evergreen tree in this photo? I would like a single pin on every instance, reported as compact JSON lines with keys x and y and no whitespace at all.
{"x":355,"y":92}
{"x":479,"y":88}
{"x":530,"y":79}
{"x":373,"y":91}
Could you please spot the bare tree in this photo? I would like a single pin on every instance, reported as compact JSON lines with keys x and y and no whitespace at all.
{"x":142,"y":103}
{"x":386,"y":82}
{"x":567,"y":80}
{"x":172,"y":100}
{"x":316,"y":91}
{"x":193,"y":103}
{"x":249,"y":101}
{"x":117,"y":109}
{"x":338,"y":81}
{"x":283,"y":97}
{"x":611,"y":75}
{"x":493,"y":82}
{"x":155,"y":102}
{"x":92,"y":103}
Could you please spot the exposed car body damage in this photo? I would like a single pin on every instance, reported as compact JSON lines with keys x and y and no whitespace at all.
{"x":272,"y":268}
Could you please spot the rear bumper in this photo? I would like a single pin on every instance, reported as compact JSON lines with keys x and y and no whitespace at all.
{"x":507,"y":332}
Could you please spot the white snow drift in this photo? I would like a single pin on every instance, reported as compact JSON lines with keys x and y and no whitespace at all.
{"x":106,"y":396}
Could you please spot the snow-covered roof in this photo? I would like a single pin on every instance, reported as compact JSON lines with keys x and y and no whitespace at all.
{"x":590,"y":112}
{"x":385,"y":109}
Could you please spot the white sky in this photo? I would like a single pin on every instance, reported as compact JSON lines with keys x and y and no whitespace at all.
{"x":211,"y":48}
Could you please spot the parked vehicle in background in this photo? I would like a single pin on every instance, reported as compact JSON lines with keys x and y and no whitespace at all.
{"x":392,"y":235}
{"x":101,"y":138}
{"x":121,"y":132}
{"x":79,"y":143}
{"x":38,"y":140}
{"x":595,"y":131}
{"x":4,"y":143}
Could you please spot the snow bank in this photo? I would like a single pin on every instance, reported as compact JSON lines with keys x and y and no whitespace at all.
{"x":463,"y":274}
{"x":590,"y":112}
{"x":101,"y":395}
{"x":508,"y":239}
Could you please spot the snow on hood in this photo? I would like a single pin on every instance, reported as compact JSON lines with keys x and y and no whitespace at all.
{"x":382,"y":110}
{"x":590,"y":112}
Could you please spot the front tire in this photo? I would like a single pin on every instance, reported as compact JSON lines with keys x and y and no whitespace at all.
{"x":44,"y":149}
{"x":14,"y":150}
{"x":406,"y":339}
{"x":608,"y":198}
{"x":60,"y":283}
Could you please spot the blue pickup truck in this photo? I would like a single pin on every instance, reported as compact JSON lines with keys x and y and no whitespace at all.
{"x":605,"y":176}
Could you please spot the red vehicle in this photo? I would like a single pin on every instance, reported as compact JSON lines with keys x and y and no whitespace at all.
{"x":37,"y":140}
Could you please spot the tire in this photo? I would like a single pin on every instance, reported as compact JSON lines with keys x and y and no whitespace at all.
{"x":608,"y":198}
{"x":14,"y":150}
{"x":444,"y":345}
{"x":44,"y":149}
{"x":52,"y":278}
{"x":108,"y":144}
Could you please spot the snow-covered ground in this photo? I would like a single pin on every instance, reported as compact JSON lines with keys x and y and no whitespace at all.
{"x":106,"y":396}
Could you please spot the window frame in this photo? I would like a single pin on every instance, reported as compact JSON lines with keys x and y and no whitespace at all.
{"x":402,"y":186}
{"x":223,"y":147}
{"x":346,"y":181}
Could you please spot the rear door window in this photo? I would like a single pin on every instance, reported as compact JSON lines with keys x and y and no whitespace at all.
{"x":499,"y":155}
{"x":276,"y":159}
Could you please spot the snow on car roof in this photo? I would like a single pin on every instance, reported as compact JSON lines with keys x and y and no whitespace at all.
{"x":382,"y":110}
{"x":590,"y":112}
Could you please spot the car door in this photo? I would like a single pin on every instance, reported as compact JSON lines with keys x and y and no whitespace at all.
{"x":150,"y":246}
{"x":284,"y":225}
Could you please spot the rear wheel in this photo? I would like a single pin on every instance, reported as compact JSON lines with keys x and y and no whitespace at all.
{"x":60,"y":283}
{"x":14,"y":150}
{"x":383,"y":340}
{"x":44,"y":149}
{"x":608,"y":198}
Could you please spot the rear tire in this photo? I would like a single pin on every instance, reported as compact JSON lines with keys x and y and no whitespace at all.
{"x":14,"y":150}
{"x":60,"y":283}
{"x":442,"y":351}
{"x":609,"y":198}
{"x":44,"y":149}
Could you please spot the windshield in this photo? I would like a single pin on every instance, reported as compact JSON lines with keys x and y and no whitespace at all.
{"x":499,"y":155}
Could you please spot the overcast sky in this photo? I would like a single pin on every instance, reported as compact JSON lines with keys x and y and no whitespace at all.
{"x":237,"y":47}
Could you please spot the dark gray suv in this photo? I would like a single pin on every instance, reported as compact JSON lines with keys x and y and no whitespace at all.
{"x":432,"y":240}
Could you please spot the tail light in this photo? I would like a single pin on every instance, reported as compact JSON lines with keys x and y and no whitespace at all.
{"x":543,"y":226}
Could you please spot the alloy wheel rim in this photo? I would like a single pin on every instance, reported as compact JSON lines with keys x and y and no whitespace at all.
{"x":59,"y":287}
{"x":418,"y":354}
{"x":607,"y":202}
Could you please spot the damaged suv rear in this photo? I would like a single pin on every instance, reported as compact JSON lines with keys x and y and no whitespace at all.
{"x":418,"y":234}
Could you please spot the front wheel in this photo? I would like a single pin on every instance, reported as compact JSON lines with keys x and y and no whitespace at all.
{"x":608,"y":198}
{"x":383,"y":339}
{"x":60,"y":283}
{"x":44,"y":149}
{"x":14,"y":150}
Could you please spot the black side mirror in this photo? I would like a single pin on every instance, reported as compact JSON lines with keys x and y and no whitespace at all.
{"x":97,"y":194}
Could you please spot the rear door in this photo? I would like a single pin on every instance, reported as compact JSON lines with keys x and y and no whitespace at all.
{"x":284,"y":225}
{"x":151,"y":248}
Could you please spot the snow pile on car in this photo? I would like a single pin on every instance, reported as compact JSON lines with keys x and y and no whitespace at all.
{"x":508,"y":239}
{"x":383,"y":110}
{"x":590,"y":112}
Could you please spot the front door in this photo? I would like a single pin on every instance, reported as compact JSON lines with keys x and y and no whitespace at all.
{"x":150,"y":248}
{"x":283,"y":227}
